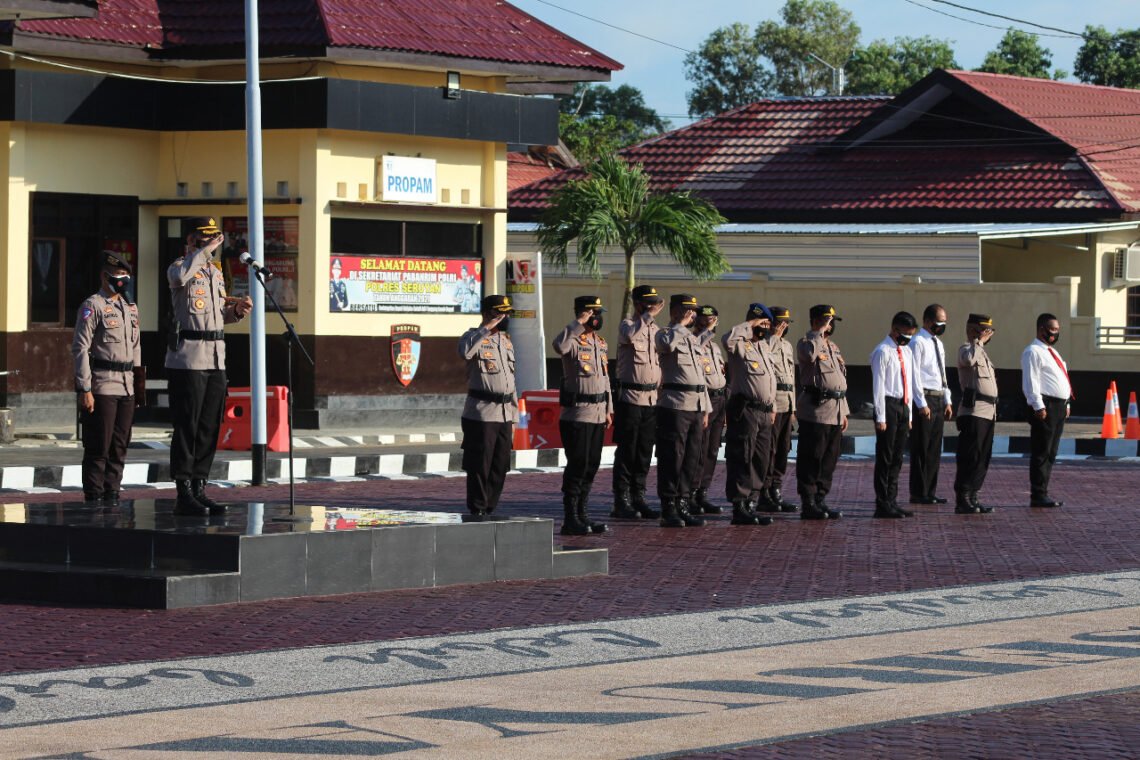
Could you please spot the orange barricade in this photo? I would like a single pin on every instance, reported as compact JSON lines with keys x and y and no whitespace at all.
{"x":543,"y":418}
{"x":236,"y":433}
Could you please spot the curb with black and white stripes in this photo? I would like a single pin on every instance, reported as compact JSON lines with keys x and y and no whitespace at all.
{"x":239,"y":472}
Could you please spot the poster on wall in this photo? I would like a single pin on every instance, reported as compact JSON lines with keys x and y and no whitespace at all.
{"x":280,"y":257}
{"x":373,"y":284}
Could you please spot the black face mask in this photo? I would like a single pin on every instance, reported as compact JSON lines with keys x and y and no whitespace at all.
{"x":505,"y":325}
{"x":1051,"y":337}
{"x":595,"y":322}
{"x":119,"y":283}
{"x":902,"y":339}
{"x":938,"y":328}
{"x":759,"y":332}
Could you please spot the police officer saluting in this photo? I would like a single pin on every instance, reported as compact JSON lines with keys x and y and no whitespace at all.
{"x":587,"y":410}
{"x":751,"y":412}
{"x":783,"y":356}
{"x":492,"y":409}
{"x":821,"y":411}
{"x":704,"y":327}
{"x":108,"y":374}
{"x":196,"y":364}
{"x":976,"y":415}
{"x":635,"y":412}
{"x":683,"y":408}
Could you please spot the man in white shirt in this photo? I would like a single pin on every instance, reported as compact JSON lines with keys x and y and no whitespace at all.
{"x":1045,"y":383}
{"x":895,"y":386}
{"x":926,"y":432}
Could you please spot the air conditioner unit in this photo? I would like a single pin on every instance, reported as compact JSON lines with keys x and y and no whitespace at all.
{"x":1126,"y":265}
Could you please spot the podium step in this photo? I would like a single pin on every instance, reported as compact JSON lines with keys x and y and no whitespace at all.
{"x":115,"y":586}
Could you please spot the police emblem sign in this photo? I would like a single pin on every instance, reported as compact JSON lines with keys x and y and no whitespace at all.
{"x":405,"y":352}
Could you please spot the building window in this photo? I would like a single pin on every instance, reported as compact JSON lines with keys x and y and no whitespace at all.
{"x":1134,"y":313}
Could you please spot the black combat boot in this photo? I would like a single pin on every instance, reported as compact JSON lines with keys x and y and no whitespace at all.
{"x":742,"y":515}
{"x":186,"y":503}
{"x":642,"y":506}
{"x":701,"y":498}
{"x":571,"y":525}
{"x":199,"y":487}
{"x":623,"y":508}
{"x":111,"y":498}
{"x":92,"y":499}
{"x":811,"y":511}
{"x":821,"y":505}
{"x":883,"y":509}
{"x":777,"y":498}
{"x":963,"y":505}
{"x":762,"y":501}
{"x":687,"y":517}
{"x":669,"y":517}
{"x":978,"y":505}
{"x":595,"y":527}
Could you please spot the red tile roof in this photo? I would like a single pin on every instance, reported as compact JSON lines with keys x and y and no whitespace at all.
{"x":798,"y":159}
{"x":522,"y":169}
{"x":489,"y":30}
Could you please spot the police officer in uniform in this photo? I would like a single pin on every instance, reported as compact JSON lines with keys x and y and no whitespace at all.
{"x":492,"y":409}
{"x":704,"y":327}
{"x":751,"y":413}
{"x":783,"y":356}
{"x":976,"y":415}
{"x":821,"y":411}
{"x":635,"y":413}
{"x":108,"y":360}
{"x":587,"y":410}
{"x":683,"y":408}
{"x":196,"y":364}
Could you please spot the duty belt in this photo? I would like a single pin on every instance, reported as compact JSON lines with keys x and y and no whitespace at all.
{"x":716,"y":392}
{"x":115,"y":366}
{"x":637,"y":386}
{"x":684,"y":388}
{"x":202,"y":334}
{"x":981,"y":397}
{"x":495,"y":398}
{"x":750,"y":404}
{"x":785,"y":387}
{"x":820,"y":393}
{"x":570,"y":398}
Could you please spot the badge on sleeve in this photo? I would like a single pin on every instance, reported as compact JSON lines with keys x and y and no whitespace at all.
{"x":87,"y":312}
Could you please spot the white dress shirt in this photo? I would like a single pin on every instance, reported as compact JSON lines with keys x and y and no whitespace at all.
{"x":930,"y":363}
{"x":1042,"y":376}
{"x":887,"y":378}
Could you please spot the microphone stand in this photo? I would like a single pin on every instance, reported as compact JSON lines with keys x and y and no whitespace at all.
{"x":291,"y":338}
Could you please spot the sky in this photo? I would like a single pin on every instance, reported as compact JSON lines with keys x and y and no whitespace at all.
{"x":658,"y":71}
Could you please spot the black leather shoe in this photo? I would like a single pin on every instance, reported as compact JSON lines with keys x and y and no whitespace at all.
{"x":905,"y":512}
{"x":623,"y":508}
{"x":776,"y":496}
{"x":810,"y":512}
{"x":686,"y":517}
{"x":966,"y":509}
{"x":741,"y":515}
{"x":938,"y":500}
{"x":92,"y":500}
{"x":583,"y":516}
{"x":832,"y":514}
{"x":886,"y":513}
{"x":110,"y":498}
{"x":199,"y":488}
{"x":186,"y":505}
{"x":641,"y":506}
{"x":984,"y":509}
{"x":1046,"y":502}
{"x":921,"y":500}
{"x":669,"y":516}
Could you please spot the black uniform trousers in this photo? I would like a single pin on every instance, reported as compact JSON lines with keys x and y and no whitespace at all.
{"x":582,"y":442}
{"x":1044,"y":438}
{"x":197,"y":402}
{"x":486,"y":459}
{"x":635,"y":431}
{"x":975,"y":446}
{"x":817,"y":453}
{"x":710,"y":451}
{"x":781,"y":445}
{"x":926,"y":449}
{"x":106,"y":435}
{"x":890,"y":446}
{"x":748,"y":450}
{"x":680,"y":436}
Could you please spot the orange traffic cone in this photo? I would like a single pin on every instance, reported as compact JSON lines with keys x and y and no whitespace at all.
{"x":522,"y":430}
{"x":1108,"y":427}
{"x":1116,"y":405}
{"x":1132,"y":427}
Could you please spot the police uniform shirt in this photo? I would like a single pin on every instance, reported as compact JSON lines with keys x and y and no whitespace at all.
{"x":1042,"y":375}
{"x":821,"y":366}
{"x":750,"y":371}
{"x":637,"y":360}
{"x":783,"y":358}
{"x":930,"y":364}
{"x":490,"y":367}
{"x":887,"y":378}
{"x":585,"y":370}
{"x":713,"y":361}
{"x":106,"y":329}
{"x":198,"y":295}
{"x":976,"y":372}
{"x":682,"y":362}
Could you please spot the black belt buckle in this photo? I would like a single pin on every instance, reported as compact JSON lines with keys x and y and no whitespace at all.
{"x":785,"y":387}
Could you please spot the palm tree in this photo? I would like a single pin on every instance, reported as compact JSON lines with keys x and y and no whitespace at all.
{"x":612,"y":206}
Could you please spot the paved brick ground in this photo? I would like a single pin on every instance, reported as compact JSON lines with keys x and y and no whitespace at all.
{"x":652,"y":571}
{"x":1100,"y":727}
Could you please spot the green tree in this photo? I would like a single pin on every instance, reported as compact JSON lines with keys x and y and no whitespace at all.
{"x":1109,"y":59}
{"x":888,"y":68}
{"x":596,"y":120}
{"x":1021,"y":54}
{"x":812,"y":30}
{"x":612,"y":206}
{"x":726,"y":72}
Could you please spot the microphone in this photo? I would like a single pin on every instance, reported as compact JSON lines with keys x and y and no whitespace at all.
{"x":255,"y":265}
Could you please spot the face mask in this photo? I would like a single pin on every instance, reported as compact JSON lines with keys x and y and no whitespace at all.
{"x":938,"y":328}
{"x":902,"y":339}
{"x":505,"y":325}
{"x":120,"y":283}
{"x":759,"y":332}
{"x":830,"y":330}
{"x":1051,"y":337}
{"x":595,"y":322}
